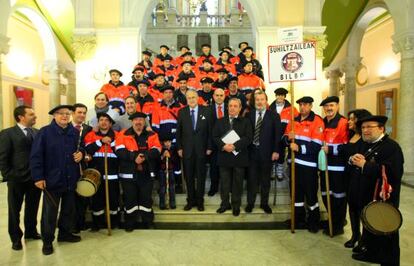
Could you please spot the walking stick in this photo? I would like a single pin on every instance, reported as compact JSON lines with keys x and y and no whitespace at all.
{"x":108,"y":217}
{"x":292,"y":166}
{"x":167,"y":180}
{"x":328,"y":195}
{"x":183,"y":177}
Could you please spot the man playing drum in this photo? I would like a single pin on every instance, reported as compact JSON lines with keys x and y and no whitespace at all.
{"x":97,"y":144}
{"x":376,"y":151}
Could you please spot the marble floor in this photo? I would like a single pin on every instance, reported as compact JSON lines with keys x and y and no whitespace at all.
{"x":203,"y":247}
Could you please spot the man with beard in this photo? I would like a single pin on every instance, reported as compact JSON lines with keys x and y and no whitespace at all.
{"x":376,"y":151}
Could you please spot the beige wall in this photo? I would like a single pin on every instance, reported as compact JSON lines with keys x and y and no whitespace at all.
{"x":25,"y":38}
{"x":290,"y":13}
{"x":106,"y":13}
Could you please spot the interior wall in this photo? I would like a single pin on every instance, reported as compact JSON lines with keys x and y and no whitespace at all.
{"x":290,"y":13}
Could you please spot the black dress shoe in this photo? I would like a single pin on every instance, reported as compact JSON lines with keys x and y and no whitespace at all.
{"x":71,"y":238}
{"x":188,"y":207}
{"x":266,"y":208}
{"x":249,"y":208}
{"x":47,"y":249}
{"x":236,"y":211}
{"x":364,"y":256}
{"x":360,"y":248}
{"x":34,"y":236}
{"x":17,"y":245}
{"x":222,"y":209}
{"x":200,"y":207}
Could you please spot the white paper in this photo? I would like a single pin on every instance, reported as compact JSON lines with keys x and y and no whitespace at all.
{"x":231,"y":138}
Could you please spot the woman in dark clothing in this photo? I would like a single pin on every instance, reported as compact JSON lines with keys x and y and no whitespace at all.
{"x":354,"y":183}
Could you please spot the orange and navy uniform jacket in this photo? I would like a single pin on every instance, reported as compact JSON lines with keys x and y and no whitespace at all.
{"x":128,"y":145}
{"x":230,"y":67}
{"x":95,"y":148}
{"x":205,"y":98}
{"x":201,"y":58}
{"x":309,"y":138}
{"x":168,"y":120}
{"x":159,"y":59}
{"x":169,"y":72}
{"x":201,"y":73}
{"x":285,"y":114}
{"x":117,"y":94}
{"x":147,"y":70}
{"x":179,"y":60}
{"x":335,"y":137}
{"x":155,"y":92}
{"x":248,"y":82}
{"x":150,"y":107}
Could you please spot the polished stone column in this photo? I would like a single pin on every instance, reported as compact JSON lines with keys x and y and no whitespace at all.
{"x":4,"y":49}
{"x":350,"y":68}
{"x":404,"y":44}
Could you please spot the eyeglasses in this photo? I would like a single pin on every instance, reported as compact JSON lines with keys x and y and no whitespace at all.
{"x":63,"y":113}
{"x":368,"y":127}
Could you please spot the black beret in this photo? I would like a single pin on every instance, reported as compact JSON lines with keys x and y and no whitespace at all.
{"x":247,"y":62}
{"x":166,"y":88}
{"x":281,"y":91}
{"x":165,"y":46}
{"x":165,"y":135}
{"x":184,"y":46}
{"x":206,"y":45}
{"x":330,"y":99}
{"x":159,"y":75}
{"x":247,"y":48}
{"x":62,"y":106}
{"x":187,"y":62}
{"x":144,"y":81}
{"x":227,"y":47}
{"x":207,"y":60}
{"x":147,"y":53}
{"x":138,"y":67}
{"x":187,"y":53}
{"x":243,"y":43}
{"x":234,"y":78}
{"x":222,"y":70}
{"x":181,"y":78}
{"x":305,"y":99}
{"x":207,"y":80}
{"x":115,"y":70}
{"x":376,"y":118}
{"x":136,"y":115}
{"x":99,"y":115}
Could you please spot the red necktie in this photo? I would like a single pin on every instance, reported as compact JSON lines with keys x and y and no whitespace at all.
{"x":78,"y":127}
{"x":219,"y":112}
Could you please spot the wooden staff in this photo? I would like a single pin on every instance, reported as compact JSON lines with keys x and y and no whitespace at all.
{"x":77,"y":150}
{"x":292,"y":163}
{"x":108,"y":215}
{"x":167,"y":180}
{"x":328,"y":196}
{"x":183,"y":177}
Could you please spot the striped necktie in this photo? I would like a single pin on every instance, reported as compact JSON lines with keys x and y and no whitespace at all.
{"x":257,"y":129}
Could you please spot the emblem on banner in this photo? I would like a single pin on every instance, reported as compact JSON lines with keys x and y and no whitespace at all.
{"x":292,"y":62}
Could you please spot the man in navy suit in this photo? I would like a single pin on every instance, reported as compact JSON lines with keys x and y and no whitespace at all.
{"x":15,"y":147}
{"x":194,"y":144}
{"x":263,"y":151}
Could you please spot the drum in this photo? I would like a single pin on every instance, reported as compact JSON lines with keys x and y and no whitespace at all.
{"x":89,"y":183}
{"x":381,"y":218}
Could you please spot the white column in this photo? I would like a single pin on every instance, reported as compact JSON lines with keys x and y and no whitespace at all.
{"x":4,"y":49}
{"x":350,"y":68}
{"x":334,"y":83}
{"x":71,"y":91}
{"x":404,"y":44}
{"x":54,"y":83}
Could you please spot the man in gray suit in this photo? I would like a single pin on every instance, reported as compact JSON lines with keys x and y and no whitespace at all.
{"x":16,"y":143}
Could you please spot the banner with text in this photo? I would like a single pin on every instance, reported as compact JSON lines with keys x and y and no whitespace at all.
{"x":292,"y":62}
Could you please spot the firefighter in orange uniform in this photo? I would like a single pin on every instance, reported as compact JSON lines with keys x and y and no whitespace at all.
{"x":335,"y":137}
{"x":95,"y":143}
{"x":147,"y":104}
{"x":163,"y":54}
{"x":206,"y":93}
{"x":308,"y":137}
{"x":137,"y":150}
{"x":206,"y":54}
{"x":116,"y":91}
{"x":188,"y":74}
{"x":224,"y":62}
{"x":206,"y":70}
{"x":248,"y":81}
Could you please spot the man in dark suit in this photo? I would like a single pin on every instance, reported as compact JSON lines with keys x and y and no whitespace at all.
{"x":16,"y":143}
{"x":263,"y":151}
{"x":232,"y":157}
{"x":218,"y":110}
{"x":81,"y":204}
{"x":194,"y":144}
